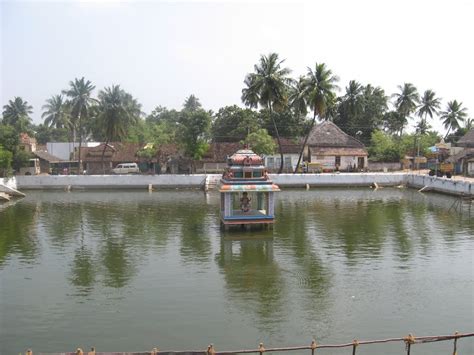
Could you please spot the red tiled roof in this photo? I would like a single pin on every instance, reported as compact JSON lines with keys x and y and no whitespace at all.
{"x":122,"y":152}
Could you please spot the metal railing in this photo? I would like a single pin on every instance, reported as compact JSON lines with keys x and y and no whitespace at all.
{"x":409,"y":341}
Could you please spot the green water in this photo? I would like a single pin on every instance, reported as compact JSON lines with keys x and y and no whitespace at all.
{"x":131,"y":270}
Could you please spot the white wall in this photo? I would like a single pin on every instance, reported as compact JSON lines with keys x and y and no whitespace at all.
{"x":450,"y":186}
{"x":110,"y":181}
{"x":276,"y":166}
{"x":329,"y":161}
{"x":470,"y":168}
{"x":338,"y":179}
{"x":64,"y":150}
{"x":441,"y":184}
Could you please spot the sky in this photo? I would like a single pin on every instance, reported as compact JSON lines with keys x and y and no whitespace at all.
{"x":162,"y":52}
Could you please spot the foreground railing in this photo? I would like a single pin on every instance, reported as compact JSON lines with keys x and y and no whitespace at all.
{"x":409,"y":341}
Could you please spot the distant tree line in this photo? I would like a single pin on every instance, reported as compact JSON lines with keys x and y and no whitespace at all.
{"x":277,"y":106}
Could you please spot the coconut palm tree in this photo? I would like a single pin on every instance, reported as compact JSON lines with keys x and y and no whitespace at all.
{"x":469,"y":124}
{"x":429,"y":105}
{"x":406,"y":102}
{"x":297,"y":97}
{"x":192,"y":104}
{"x":351,"y":102}
{"x":320,"y":85}
{"x":17,"y":114}
{"x":118,"y":111}
{"x":56,"y":112}
{"x":453,"y":115}
{"x":80,"y":101}
{"x":268,"y":87}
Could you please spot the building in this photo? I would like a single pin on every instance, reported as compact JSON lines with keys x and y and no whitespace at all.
{"x":329,"y":146}
{"x":464,"y":160}
{"x":27,"y":143}
{"x":215,"y":159}
{"x":291,"y":150}
{"x":46,"y":161}
{"x":164,"y":159}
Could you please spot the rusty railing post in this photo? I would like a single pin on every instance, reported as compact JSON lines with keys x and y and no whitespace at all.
{"x":409,"y":340}
{"x":210,"y":350}
{"x":314,"y":345}
{"x":455,"y":350}
{"x":355,"y":344}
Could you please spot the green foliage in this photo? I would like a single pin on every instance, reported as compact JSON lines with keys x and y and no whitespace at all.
{"x":232,"y":124}
{"x":9,"y":138}
{"x":80,"y":103}
{"x":5,"y":161}
{"x":192,"y":104}
{"x":290,"y":124}
{"x":320,"y":86}
{"x":383,"y":147}
{"x":200,"y":148}
{"x":406,"y":102}
{"x":117,"y":112}
{"x":57,"y":113}
{"x":147,"y":152}
{"x":361,"y":110}
{"x":194,"y":132}
{"x":268,"y":87}
{"x":20,"y":159}
{"x":17,"y":114}
{"x":44,"y":134}
{"x":261,"y":142}
{"x":453,"y":116}
{"x":162,"y":114}
{"x":409,"y":144}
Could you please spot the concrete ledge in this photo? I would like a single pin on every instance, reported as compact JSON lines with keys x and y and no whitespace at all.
{"x":198,"y":181}
{"x":341,"y":179}
{"x":8,"y":186}
{"x":43,"y":182}
{"x":441,"y":184}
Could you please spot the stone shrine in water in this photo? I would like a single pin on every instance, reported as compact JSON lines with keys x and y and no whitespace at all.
{"x":247,"y":193}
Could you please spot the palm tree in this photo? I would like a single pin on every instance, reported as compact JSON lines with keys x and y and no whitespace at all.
{"x":297,"y":97}
{"x":453,"y":115}
{"x":17,"y":114}
{"x":192,"y":104}
{"x":80,"y":100}
{"x":320,"y":85}
{"x":268,"y":86}
{"x":56,"y":112}
{"x":351,"y":100}
{"x":429,"y":105}
{"x":469,"y":124}
{"x":406,"y":102}
{"x":118,"y":110}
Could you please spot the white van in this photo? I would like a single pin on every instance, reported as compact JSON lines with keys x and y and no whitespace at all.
{"x":126,"y":168}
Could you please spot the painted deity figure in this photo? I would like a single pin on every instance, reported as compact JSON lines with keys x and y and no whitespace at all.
{"x":245,"y":202}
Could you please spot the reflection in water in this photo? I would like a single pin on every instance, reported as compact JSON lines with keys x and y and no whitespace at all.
{"x":83,"y":270}
{"x":253,"y":279}
{"x":18,"y":233}
{"x":336,"y":260}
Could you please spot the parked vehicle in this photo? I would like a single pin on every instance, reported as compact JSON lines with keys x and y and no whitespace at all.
{"x":33,"y":168}
{"x":441,"y":169}
{"x":126,"y":168}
